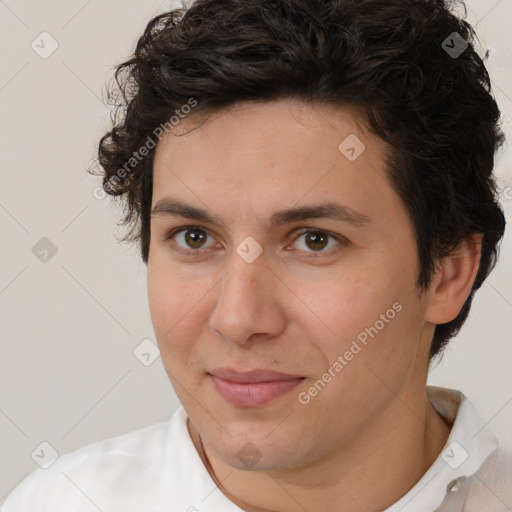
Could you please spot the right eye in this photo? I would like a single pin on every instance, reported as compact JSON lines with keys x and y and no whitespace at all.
{"x":192,"y":239}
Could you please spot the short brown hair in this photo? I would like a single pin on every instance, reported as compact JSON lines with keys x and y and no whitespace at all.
{"x":390,"y":58}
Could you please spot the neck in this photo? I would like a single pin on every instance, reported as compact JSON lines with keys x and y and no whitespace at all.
{"x":388,"y":457}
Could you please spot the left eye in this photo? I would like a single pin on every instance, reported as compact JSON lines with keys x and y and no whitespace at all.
{"x":317,"y":241}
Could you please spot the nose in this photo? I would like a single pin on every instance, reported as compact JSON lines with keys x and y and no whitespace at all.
{"x":248,"y":306}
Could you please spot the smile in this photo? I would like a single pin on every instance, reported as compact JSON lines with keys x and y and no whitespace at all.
{"x":252,"y":389}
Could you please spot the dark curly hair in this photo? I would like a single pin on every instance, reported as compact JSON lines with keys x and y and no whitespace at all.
{"x":389,"y":58}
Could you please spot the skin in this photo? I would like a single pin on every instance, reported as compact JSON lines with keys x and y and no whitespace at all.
{"x":296,"y":308}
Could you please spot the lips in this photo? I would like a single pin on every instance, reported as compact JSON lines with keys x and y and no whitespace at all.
{"x":252,"y":388}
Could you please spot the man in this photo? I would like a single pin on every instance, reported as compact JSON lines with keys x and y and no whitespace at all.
{"x":311,"y":186}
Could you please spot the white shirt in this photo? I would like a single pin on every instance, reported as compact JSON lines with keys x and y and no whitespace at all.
{"x":158,"y":469}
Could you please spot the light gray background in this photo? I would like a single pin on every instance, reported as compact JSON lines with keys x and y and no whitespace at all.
{"x":68,"y":375}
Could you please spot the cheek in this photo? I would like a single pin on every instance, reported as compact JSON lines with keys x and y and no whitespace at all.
{"x":174,"y":302}
{"x":348,"y":302}
{"x":176,"y":309}
{"x":372,"y":305}
{"x":369,"y":355}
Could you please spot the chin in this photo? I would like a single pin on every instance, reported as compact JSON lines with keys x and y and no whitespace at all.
{"x":258,"y":452}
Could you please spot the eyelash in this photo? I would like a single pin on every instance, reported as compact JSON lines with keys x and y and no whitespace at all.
{"x":300,"y":231}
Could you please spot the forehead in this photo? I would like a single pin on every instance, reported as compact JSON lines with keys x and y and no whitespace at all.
{"x":258,"y":158}
{"x":283,"y":128}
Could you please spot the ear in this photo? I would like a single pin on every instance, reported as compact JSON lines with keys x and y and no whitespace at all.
{"x":453,"y":280}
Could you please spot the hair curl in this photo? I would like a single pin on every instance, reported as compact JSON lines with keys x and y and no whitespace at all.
{"x":436,"y":112}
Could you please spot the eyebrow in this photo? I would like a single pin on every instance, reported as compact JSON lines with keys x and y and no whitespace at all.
{"x":329,"y":210}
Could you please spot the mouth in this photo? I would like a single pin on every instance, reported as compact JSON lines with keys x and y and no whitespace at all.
{"x":252,"y":388}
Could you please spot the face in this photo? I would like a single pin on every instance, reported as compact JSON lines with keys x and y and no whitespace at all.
{"x":253,"y":273}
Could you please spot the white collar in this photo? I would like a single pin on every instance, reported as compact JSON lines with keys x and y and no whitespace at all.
{"x":467,"y":447}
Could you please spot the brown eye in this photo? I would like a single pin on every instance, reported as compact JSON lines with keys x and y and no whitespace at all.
{"x":195,"y":238}
{"x":316,"y":240}
{"x":192,"y":238}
